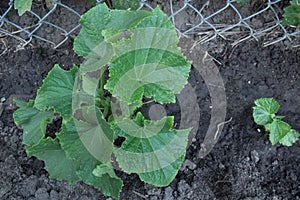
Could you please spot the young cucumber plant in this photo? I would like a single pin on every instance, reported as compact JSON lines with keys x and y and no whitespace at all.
{"x":291,"y":14}
{"x":264,"y":114}
{"x":140,"y":50}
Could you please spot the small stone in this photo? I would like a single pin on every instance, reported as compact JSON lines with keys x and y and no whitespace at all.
{"x":28,"y":187}
{"x":6,"y":129}
{"x":275,"y":162}
{"x":188,"y":164}
{"x":54,"y":195}
{"x":293,"y":176}
{"x":154,"y":191}
{"x":258,"y":130}
{"x":84,"y":198}
{"x":183,"y":188}
{"x":4,"y":188}
{"x":221,"y":166}
{"x":254,"y":156}
{"x":42,"y":194}
{"x":11,"y":130}
{"x":168,"y":194}
{"x":11,"y":160}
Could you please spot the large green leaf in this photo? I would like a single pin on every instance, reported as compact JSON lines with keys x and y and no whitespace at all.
{"x":148,"y":72}
{"x":56,"y":162}
{"x":152,"y":149}
{"x":148,"y":63}
{"x":85,"y":162}
{"x":22,"y":6}
{"x":33,"y":122}
{"x":98,"y":19}
{"x":56,"y":92}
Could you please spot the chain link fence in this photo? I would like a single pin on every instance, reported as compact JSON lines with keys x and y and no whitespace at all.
{"x":204,"y":20}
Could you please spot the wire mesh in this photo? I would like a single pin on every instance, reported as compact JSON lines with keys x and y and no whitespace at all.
{"x":206,"y":20}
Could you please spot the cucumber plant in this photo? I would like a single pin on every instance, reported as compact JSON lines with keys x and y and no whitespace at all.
{"x":140,"y":50}
{"x":264,"y":113}
{"x":291,"y":14}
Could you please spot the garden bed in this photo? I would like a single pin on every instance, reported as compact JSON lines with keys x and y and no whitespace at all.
{"x":242,"y":165}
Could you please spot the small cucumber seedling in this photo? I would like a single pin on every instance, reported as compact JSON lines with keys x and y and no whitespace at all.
{"x":280,"y":132}
{"x":291,"y":14}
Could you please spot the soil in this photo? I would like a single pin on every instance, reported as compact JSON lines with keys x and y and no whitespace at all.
{"x":242,"y":165}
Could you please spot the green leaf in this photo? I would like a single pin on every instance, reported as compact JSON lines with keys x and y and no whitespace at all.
{"x":291,"y":14}
{"x":148,"y":72}
{"x":102,"y":169}
{"x":33,"y":122}
{"x":164,"y":176}
{"x":94,"y":133}
{"x":158,"y":19}
{"x":152,"y":149}
{"x":85,"y":162}
{"x":264,"y":110}
{"x":149,"y":63}
{"x":98,"y":19}
{"x":56,"y":162}
{"x":270,"y":105}
{"x":19,"y":103}
{"x":56,"y":92}
{"x":126,"y":4}
{"x":22,"y":6}
{"x":278,"y":130}
{"x":290,"y":138}
{"x":93,"y":22}
{"x":261,"y":116}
